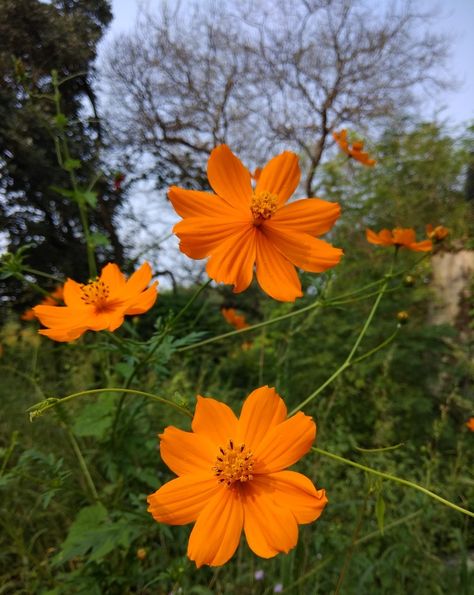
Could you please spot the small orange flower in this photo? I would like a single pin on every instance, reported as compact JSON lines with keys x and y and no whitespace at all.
{"x":470,"y":424}
{"x":398,"y":237}
{"x":231,"y":477}
{"x":240,"y":226}
{"x":438,"y":233}
{"x":53,"y":299}
{"x":256,"y":173}
{"x":356,"y":151}
{"x":236,"y":320}
{"x":98,"y":305}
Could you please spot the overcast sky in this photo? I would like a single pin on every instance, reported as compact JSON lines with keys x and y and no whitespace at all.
{"x":457,"y":21}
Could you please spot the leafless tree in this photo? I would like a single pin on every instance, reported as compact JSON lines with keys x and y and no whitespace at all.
{"x":264,"y":76}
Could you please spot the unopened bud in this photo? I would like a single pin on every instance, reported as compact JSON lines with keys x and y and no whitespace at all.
{"x":402,"y":317}
{"x":141,"y":553}
{"x":409,"y":281}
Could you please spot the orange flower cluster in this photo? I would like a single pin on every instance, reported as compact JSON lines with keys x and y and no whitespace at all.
{"x":355,"y":151}
{"x":98,"y":305}
{"x":53,"y":299}
{"x":231,"y":476}
{"x":241,"y":227}
{"x":236,"y":320}
{"x":400,"y":238}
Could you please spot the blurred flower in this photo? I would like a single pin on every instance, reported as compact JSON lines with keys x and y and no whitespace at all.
{"x":403,"y":317}
{"x":409,"y":281}
{"x":356,"y":151}
{"x":247,"y":345}
{"x":240,"y":227}
{"x":256,"y":173}
{"x":53,"y":299}
{"x":259,"y":575}
{"x":141,"y":553}
{"x":470,"y":424}
{"x":98,"y":305}
{"x":234,"y":319}
{"x":231,"y":476}
{"x":398,"y":237}
{"x":438,"y":233}
{"x":278,"y":588}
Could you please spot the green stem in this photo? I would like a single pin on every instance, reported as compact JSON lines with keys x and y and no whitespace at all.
{"x":39,"y":408}
{"x":159,"y":341}
{"x":349,"y":359}
{"x":41,"y":274}
{"x":82,"y":462}
{"x":394,"y":478}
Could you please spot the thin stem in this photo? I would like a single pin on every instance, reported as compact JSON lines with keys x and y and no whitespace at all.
{"x":394,"y":478}
{"x":349,"y":359}
{"x":39,"y":408}
{"x":159,"y":341}
{"x":82,"y":462}
{"x":41,"y":274}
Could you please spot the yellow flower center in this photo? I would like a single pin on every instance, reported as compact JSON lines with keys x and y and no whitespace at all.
{"x":263,"y":205}
{"x":234,"y":463}
{"x":95,"y":294}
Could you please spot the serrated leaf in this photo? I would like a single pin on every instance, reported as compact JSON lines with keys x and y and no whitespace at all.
{"x":380,"y":511}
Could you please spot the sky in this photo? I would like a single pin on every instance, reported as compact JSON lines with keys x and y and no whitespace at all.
{"x":457,"y":20}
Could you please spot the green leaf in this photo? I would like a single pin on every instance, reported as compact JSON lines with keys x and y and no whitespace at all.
{"x":61,"y":121}
{"x":63,"y":192}
{"x":380,"y":511}
{"x":99,"y":239}
{"x":90,"y":198}
{"x":96,"y":418}
{"x":71,"y":164}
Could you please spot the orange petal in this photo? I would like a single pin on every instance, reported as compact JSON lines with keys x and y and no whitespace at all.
{"x":275,"y":273}
{"x":144,"y":301}
{"x":302,"y":250}
{"x":269,"y":528}
{"x":181,"y":500}
{"x":261,"y":410}
{"x":233,"y":260}
{"x":296,"y":492}
{"x":280,"y":176}
{"x":187,"y":452}
{"x":214,"y":420}
{"x":63,"y":317}
{"x":137,"y":282}
{"x":201,"y":235}
{"x":423,"y":246}
{"x":310,"y":215}
{"x":217,"y":531}
{"x":73,"y":294}
{"x":62,"y":335}
{"x":383,"y":238}
{"x":229,"y":178}
{"x":193,"y":203}
{"x":112,"y":276}
{"x":285,"y":444}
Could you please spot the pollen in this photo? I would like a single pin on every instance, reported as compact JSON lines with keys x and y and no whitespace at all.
{"x":263,"y":205}
{"x":95,"y":294}
{"x":233,"y":463}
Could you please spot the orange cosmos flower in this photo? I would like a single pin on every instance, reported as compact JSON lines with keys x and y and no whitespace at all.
{"x":231,"y":477}
{"x":98,"y":305}
{"x":356,"y":151}
{"x":239,"y":227}
{"x":399,"y":238}
{"x":470,"y":424}
{"x":236,"y":320}
{"x":53,"y":299}
{"x":438,"y":233}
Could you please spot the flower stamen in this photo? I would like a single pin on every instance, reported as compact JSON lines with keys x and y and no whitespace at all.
{"x":233,"y":463}
{"x":263,"y":205}
{"x":96,"y":294}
